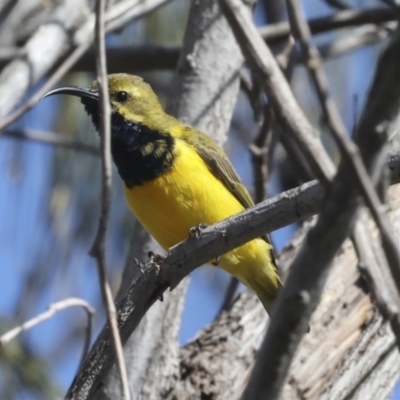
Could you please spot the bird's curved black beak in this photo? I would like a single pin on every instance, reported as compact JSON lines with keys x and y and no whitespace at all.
{"x":75,"y":91}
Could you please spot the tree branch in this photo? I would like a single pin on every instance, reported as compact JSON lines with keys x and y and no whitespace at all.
{"x":342,"y":19}
{"x":269,"y":75}
{"x":53,"y":309}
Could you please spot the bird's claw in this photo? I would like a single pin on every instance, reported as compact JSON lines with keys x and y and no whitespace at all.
{"x":216,"y":261}
{"x":196,"y":231}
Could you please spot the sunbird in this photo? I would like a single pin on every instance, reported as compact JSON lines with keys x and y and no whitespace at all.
{"x":176,"y":177}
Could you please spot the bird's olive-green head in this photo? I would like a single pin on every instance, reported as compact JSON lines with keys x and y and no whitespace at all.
{"x":142,"y":146}
{"x":132,"y":98}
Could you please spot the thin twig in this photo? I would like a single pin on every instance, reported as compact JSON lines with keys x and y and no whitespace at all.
{"x":50,"y":139}
{"x":365,"y":35}
{"x":342,"y":19}
{"x":349,"y":151}
{"x":259,"y":155}
{"x":53,"y":309}
{"x":269,"y":75}
{"x":98,"y":248}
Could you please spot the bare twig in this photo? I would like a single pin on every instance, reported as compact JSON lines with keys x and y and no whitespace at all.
{"x":50,"y":139}
{"x":349,"y":151}
{"x":98,"y":248}
{"x":365,"y":35}
{"x":342,"y":19}
{"x":51,"y":312}
{"x":286,"y":108}
{"x":259,"y":156}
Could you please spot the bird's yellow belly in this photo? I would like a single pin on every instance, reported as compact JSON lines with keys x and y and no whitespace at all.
{"x":190,"y":194}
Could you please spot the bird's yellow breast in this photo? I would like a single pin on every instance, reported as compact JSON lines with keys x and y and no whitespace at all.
{"x":190,"y":194}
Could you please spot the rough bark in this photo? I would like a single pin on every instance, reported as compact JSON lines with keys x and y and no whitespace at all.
{"x":349,"y":352}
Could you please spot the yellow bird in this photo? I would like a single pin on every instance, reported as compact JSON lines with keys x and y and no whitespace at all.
{"x":176,"y":177}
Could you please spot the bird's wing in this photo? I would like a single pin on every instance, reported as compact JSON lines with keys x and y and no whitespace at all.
{"x":218,"y":163}
{"x":221,"y":166}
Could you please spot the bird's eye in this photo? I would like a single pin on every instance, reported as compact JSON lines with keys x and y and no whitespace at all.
{"x":121,"y":97}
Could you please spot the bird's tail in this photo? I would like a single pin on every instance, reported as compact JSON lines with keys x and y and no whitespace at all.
{"x":265,"y":283}
{"x":266,"y":292}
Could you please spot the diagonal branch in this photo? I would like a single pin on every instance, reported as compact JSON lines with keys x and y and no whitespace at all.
{"x":286,"y":108}
{"x":53,"y":309}
{"x":349,"y":151}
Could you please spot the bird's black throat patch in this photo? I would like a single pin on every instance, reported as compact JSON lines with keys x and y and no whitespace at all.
{"x":141,"y":154}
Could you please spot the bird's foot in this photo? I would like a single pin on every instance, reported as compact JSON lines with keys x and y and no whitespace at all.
{"x":154,"y":258}
{"x":216,"y":261}
{"x":196,"y":231}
